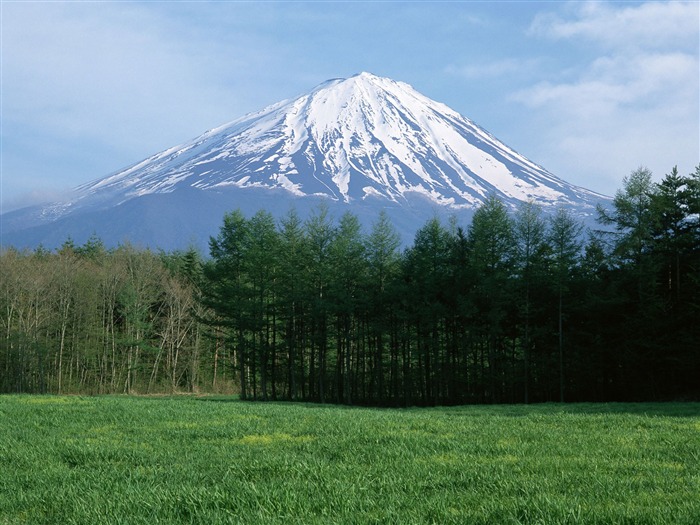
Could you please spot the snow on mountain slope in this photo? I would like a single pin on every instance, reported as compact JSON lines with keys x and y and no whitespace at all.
{"x":364,"y":139}
{"x":350,"y":139}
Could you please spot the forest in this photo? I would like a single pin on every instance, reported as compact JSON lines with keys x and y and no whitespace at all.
{"x":516,"y":307}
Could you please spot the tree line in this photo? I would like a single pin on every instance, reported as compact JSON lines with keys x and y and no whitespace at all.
{"x":516,"y":307}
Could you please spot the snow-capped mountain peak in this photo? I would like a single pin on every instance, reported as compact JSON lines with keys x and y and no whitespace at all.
{"x":366,"y":142}
{"x":350,"y":139}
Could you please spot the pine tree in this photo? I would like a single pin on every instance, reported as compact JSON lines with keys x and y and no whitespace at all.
{"x":293,"y":297}
{"x":676,"y":249}
{"x":348,"y":263}
{"x":383,"y":267}
{"x":636,"y":278}
{"x":530,"y":246}
{"x":320,"y":233}
{"x":491,"y":242}
{"x":565,"y":242}
{"x":225,"y":292}
{"x":427,"y":273}
{"x":261,"y":267}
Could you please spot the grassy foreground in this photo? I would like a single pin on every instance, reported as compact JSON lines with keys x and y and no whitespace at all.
{"x":72,"y":460}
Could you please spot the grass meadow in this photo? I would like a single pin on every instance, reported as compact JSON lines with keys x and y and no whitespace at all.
{"x":214,"y":460}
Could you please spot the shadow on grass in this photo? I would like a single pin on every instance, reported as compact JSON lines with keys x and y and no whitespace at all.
{"x":665,"y":409}
{"x":669,"y":409}
{"x":282,"y":403}
{"x":220,"y":398}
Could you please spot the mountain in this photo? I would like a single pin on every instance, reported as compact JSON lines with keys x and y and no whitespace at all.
{"x":363,"y":143}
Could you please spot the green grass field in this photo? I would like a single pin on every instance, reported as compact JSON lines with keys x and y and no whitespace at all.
{"x":73,"y":460}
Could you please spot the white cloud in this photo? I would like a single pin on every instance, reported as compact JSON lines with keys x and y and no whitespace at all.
{"x":637,"y":102}
{"x":612,"y":82}
{"x":34,"y":197}
{"x":649,"y":25}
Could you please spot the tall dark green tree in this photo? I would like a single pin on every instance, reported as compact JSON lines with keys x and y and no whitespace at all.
{"x":530,"y":260}
{"x":349,"y":268}
{"x":673,"y":229}
{"x":225,"y":289}
{"x":383,"y":268}
{"x":632,"y":220}
{"x":427,"y":271}
{"x":320,"y":232}
{"x":636,"y":277}
{"x":491,"y":244}
{"x":293,"y":298}
{"x":676,"y":252}
{"x":565,"y":242}
{"x":262,"y":270}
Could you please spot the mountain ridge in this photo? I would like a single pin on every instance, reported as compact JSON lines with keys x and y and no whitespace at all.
{"x":362,"y":140}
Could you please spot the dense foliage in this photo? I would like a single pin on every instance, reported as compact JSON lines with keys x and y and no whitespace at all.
{"x":516,"y":308}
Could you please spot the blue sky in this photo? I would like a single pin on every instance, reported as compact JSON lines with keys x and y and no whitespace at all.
{"x":589,"y":90}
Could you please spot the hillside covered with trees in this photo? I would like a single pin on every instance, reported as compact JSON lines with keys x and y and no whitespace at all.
{"x":513,"y":308}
